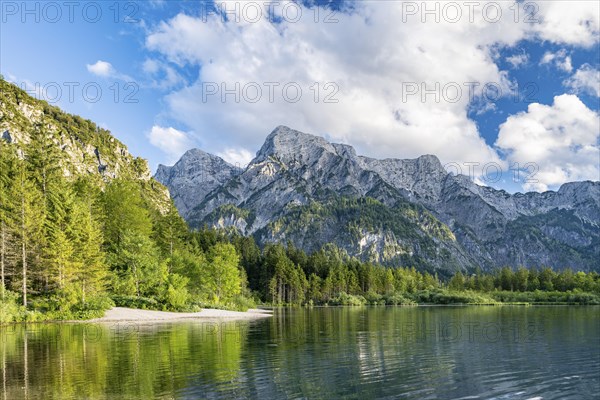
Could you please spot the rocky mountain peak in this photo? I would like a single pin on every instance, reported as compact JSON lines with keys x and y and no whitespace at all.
{"x":302,"y":188}
{"x":195,"y":175}
{"x":429,"y":162}
{"x":285,"y":143}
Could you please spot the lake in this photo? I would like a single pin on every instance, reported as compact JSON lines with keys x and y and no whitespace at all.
{"x":473,"y":352}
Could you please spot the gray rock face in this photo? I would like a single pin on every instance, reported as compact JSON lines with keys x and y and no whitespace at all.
{"x":422,"y":215}
{"x":7,"y":137}
{"x":194,"y":176}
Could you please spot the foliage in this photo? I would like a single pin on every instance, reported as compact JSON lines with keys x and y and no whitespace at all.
{"x":344,"y":299}
{"x":73,"y":244}
{"x":442,"y":296}
{"x":222,"y":278}
{"x":10,"y":309}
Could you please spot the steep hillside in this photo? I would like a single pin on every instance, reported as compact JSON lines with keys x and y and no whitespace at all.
{"x":85,"y":148}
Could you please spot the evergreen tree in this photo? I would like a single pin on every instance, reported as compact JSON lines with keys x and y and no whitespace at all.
{"x":29,"y":219}
{"x":138,"y":266}
{"x":221,"y":275}
{"x":43,"y":159}
{"x":457,"y":282}
{"x":521,"y":279}
{"x":170,"y":231}
{"x":92,"y":269}
{"x":60,"y":231}
{"x":124,"y":210}
{"x":7,"y":185}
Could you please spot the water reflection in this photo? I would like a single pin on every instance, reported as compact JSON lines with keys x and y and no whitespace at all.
{"x":377,"y":352}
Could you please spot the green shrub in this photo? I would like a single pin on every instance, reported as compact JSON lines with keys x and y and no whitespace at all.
{"x":344,"y":299}
{"x":542,"y":297}
{"x":374,"y":298}
{"x":242,"y":303}
{"x":441,"y":296}
{"x":237,"y":303}
{"x":396,"y":299}
{"x":144,"y":303}
{"x":10,"y":310}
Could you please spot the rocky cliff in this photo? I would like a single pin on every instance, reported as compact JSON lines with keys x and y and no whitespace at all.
{"x":302,"y":188}
{"x":84,"y":148}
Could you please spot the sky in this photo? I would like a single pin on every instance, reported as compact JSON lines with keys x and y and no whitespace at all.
{"x":506,"y":92}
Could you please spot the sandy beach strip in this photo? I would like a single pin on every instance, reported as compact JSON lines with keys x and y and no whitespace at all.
{"x":122,"y":314}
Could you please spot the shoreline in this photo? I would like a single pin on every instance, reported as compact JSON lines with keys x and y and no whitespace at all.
{"x":123,"y":314}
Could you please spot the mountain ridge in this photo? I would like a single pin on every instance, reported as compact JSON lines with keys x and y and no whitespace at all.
{"x":295,"y":171}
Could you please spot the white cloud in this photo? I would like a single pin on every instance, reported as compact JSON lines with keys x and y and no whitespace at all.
{"x":162,"y":75}
{"x":171,"y":141}
{"x":105,"y":69}
{"x":567,"y":22}
{"x":586,"y":79}
{"x":151,"y":66}
{"x":561,"y":140}
{"x":560,"y":60}
{"x":372,"y":71}
{"x":518,"y":59}
{"x":238,"y":157}
{"x":101,"y":68}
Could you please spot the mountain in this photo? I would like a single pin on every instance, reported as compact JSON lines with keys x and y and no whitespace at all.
{"x":303,"y":189}
{"x":84,"y":148}
{"x":194,"y":176}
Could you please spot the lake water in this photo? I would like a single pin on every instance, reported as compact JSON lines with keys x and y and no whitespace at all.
{"x":477,"y":352}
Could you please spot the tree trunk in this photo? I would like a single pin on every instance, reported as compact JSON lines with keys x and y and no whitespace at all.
{"x":24,"y":260}
{"x":171,"y":249}
{"x":137,"y":282}
{"x":83,"y":292}
{"x":60,"y":275}
{"x":24,"y":251}
{"x":2,"y":255}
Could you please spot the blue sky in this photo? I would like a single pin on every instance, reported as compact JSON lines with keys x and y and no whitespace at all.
{"x":156,"y":63}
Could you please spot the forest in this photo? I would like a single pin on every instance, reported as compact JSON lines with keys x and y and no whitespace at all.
{"x":72,"y":246}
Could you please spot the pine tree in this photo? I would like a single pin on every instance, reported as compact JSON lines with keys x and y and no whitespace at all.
{"x":7,"y":184}
{"x":28,"y":224}
{"x":169,"y":233}
{"x":59,"y":227}
{"x":124,"y":210}
{"x":139,"y":268}
{"x":91,"y":269}
{"x":43,"y":159}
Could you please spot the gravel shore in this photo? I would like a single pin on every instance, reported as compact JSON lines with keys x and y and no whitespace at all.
{"x":120,"y":314}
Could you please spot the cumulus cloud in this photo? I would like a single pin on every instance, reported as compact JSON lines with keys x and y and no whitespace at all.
{"x":558,"y":141}
{"x":518,"y":59}
{"x":586,"y":79}
{"x":394,"y":90}
{"x":368,"y":100}
{"x":105,"y":69}
{"x":560,"y":60}
{"x":101,"y":68}
{"x":171,"y":141}
{"x":574,"y":23}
